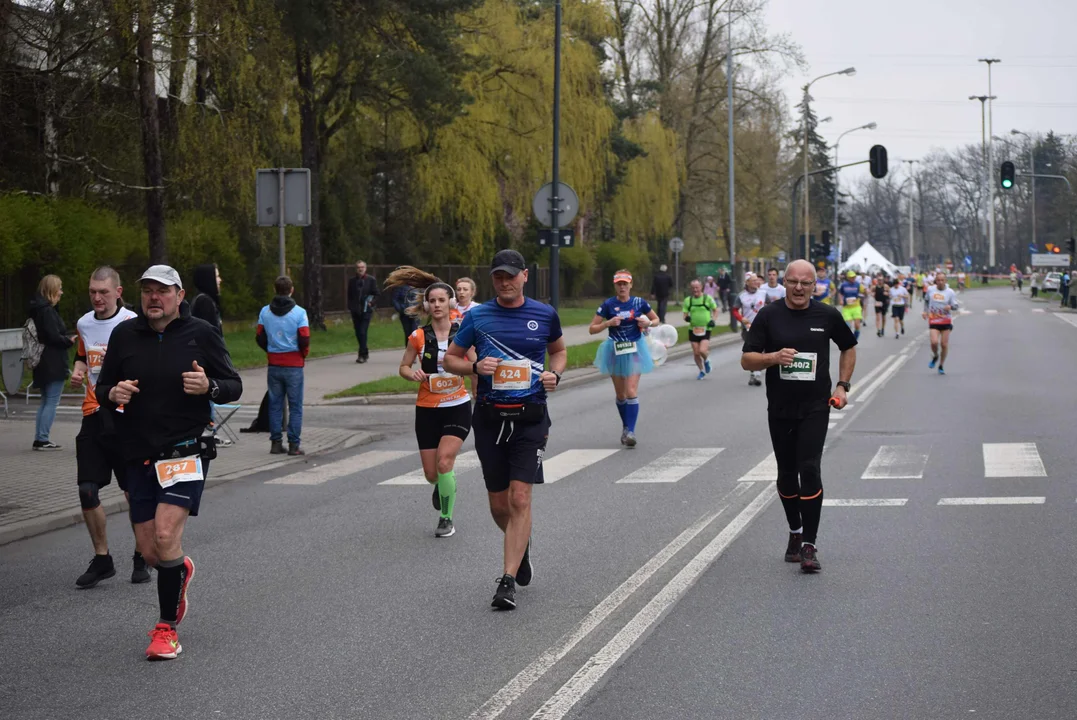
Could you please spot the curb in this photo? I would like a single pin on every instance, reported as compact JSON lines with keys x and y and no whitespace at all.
{"x":582,"y":376}
{"x":65,"y":518}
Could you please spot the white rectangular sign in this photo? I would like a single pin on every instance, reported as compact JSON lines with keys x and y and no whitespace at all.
{"x":1050,"y":259}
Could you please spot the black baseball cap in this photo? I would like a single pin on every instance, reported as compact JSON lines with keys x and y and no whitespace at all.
{"x":508,"y":261}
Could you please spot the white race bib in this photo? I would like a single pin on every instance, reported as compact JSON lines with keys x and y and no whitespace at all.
{"x":513,"y":375}
{"x":699,"y":331}
{"x":626,"y":347}
{"x":177,"y":470}
{"x":803,"y":367}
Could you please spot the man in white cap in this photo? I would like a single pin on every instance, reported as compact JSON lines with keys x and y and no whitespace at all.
{"x":163,"y":369}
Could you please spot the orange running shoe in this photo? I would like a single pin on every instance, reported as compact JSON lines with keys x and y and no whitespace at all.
{"x":164,"y":643}
{"x":181,"y":609}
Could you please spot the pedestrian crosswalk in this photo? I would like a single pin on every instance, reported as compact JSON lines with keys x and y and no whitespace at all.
{"x":1013,"y":460}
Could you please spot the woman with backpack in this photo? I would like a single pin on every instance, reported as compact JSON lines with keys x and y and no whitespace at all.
{"x":50,"y":367}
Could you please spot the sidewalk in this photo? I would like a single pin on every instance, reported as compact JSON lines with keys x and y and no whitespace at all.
{"x":327,"y":375}
{"x":38,"y":492}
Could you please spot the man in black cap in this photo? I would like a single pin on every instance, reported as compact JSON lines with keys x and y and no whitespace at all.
{"x":164,"y":368}
{"x":511,"y":337}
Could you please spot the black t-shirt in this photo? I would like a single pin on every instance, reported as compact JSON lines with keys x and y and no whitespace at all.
{"x":882,"y":294}
{"x":804,"y":387}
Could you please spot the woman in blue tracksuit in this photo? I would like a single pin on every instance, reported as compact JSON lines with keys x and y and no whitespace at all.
{"x":624,"y":356}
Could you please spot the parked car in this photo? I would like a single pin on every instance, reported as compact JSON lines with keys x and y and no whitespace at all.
{"x":1052,"y":281}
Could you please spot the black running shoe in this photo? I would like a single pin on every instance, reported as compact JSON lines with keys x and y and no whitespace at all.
{"x":809,"y":559}
{"x":445,"y":528}
{"x":792,"y":553}
{"x":140,"y":573}
{"x":505,"y":597}
{"x":527,"y":570}
{"x":437,"y":498}
{"x":101,"y":568}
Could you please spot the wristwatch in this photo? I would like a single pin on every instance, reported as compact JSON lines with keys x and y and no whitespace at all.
{"x":843,"y":384}
{"x":558,"y":375}
{"x":475,"y":368}
{"x":214,"y":389}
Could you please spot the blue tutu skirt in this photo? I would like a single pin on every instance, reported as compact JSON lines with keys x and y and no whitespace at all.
{"x":637,"y":363}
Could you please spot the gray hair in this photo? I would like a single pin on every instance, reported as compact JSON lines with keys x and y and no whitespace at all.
{"x":106,"y":272}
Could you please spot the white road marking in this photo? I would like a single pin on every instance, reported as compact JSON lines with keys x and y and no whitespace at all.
{"x":766,"y":471}
{"x":1039,"y":310}
{"x":596,"y":666}
{"x":539,"y":667}
{"x":993,"y":501}
{"x":672,"y":466}
{"x":990,"y":312}
{"x":465,"y":462}
{"x":896,"y":462}
{"x":864,"y":502}
{"x":571,"y":461}
{"x":330,"y":471}
{"x":870,"y":376}
{"x":1071,"y":319}
{"x":831,"y":425}
{"x":885,"y":376}
{"x":835,"y":415}
{"x":1009,"y":460}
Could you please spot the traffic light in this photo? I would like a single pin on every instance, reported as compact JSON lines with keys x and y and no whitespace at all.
{"x":1006,"y":175}
{"x":826,"y":244}
{"x":1071,"y":246}
{"x":877,"y":161}
{"x":1056,"y":249}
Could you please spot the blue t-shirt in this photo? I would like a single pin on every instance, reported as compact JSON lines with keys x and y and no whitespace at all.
{"x":849,"y":292}
{"x":511,"y":334}
{"x":823,"y":283}
{"x":628,"y":330}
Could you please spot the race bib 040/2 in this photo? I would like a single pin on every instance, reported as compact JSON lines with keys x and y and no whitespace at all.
{"x":802,"y":368}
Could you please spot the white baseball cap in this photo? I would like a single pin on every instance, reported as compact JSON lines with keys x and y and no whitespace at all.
{"x":164,"y":274}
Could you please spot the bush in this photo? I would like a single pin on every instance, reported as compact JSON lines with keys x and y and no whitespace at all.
{"x":612,"y":256}
{"x":194,"y":239}
{"x":578,"y":266}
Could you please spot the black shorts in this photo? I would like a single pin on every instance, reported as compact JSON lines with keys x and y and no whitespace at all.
{"x":941,"y":328}
{"x":97,"y":454}
{"x":510,"y":450}
{"x":898,"y":311}
{"x":432,"y":424}
{"x":698,"y":338}
{"x":147,"y":493}
{"x":881,"y":307}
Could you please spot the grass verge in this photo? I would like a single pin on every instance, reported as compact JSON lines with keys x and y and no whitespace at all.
{"x":579,"y":356}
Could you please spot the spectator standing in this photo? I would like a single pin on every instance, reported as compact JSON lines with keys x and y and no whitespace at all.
{"x":362,"y":297}
{"x":725,"y":288}
{"x":207,"y":303}
{"x":1064,"y":287}
{"x":1034,"y":284}
{"x":661,"y":285}
{"x":401,"y":300}
{"x":1072,"y":285}
{"x":284,"y":333}
{"x":50,"y":373}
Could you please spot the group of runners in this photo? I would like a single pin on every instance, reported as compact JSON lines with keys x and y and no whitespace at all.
{"x":151,"y":379}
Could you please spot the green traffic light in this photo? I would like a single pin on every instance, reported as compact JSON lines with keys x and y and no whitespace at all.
{"x":1007,"y":184}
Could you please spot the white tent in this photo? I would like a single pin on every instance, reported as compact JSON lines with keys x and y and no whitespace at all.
{"x":867,"y":259}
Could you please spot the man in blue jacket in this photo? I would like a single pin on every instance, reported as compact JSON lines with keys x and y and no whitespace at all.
{"x":284,"y":333}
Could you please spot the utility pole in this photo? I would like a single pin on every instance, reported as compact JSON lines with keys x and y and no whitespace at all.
{"x":1032,"y":172}
{"x":912,"y":236}
{"x":807,"y":200}
{"x":987,"y":168}
{"x":991,"y":161}
{"x":732,"y":187}
{"x":555,"y":210}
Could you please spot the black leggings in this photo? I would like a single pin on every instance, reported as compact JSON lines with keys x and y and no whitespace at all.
{"x":798,"y":449}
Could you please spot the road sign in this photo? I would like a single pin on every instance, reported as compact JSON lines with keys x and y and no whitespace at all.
{"x":676,"y":245}
{"x":568,"y":205}
{"x":562,"y":238}
{"x":968,"y":261}
{"x":832,"y":256}
{"x":781,"y":256}
{"x":296,"y":196}
{"x":1050,"y":260}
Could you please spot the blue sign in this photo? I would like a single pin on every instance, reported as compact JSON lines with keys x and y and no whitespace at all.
{"x":781,"y":256}
{"x":832,"y":256}
{"x":968,"y":260}
{"x":1033,"y":248}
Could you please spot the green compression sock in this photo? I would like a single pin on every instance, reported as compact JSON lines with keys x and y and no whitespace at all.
{"x":447,"y":490}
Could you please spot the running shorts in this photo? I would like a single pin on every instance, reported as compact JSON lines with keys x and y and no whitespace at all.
{"x":146,"y":493}
{"x":509,"y":450}
{"x":898,"y":311}
{"x":698,"y":338}
{"x":852,"y":312}
{"x":941,"y":328}
{"x":432,"y":424}
{"x":97,"y":455}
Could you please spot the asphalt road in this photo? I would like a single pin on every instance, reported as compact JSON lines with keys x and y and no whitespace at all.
{"x":650,"y":599}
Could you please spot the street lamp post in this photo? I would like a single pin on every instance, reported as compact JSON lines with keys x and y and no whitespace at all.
{"x":869,"y":126}
{"x":1032,"y":170}
{"x":807,"y":98}
{"x":991,"y":159}
{"x":732,"y":187}
{"x":912,"y":237}
{"x":988,"y":213}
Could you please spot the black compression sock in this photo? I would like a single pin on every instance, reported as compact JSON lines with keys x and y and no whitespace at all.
{"x":810,"y":510}
{"x":169,"y":582}
{"x":792,"y":510}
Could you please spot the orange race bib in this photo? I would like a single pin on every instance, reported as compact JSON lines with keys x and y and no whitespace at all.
{"x":445,"y":383}
{"x":177,"y":470}
{"x":513,"y":375}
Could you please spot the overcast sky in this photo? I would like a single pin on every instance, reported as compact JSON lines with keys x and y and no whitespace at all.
{"x":916,"y":66}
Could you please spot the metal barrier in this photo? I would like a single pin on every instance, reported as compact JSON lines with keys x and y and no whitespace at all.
{"x":10,"y":362}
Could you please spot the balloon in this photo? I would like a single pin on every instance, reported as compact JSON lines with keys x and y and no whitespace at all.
{"x":658,"y":351}
{"x":665,"y":334}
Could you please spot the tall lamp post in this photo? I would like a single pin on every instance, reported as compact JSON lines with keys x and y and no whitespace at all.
{"x":1032,"y":170}
{"x":989,"y":204}
{"x":912,"y":237}
{"x":807,"y":98}
{"x":732,"y":187}
{"x":869,"y":126}
{"x":991,"y":160}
